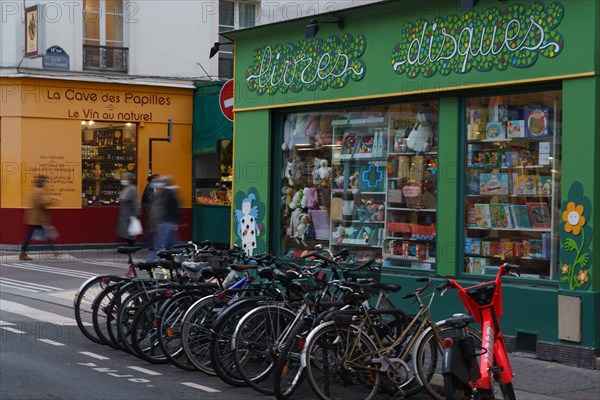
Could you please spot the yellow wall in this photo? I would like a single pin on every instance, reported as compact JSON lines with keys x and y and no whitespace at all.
{"x":41,"y":132}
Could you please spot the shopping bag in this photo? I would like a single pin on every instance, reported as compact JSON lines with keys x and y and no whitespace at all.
{"x":38,"y":234}
{"x":135,"y":227}
{"x":50,"y":232}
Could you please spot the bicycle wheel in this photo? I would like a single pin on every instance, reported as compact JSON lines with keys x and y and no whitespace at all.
{"x":288,"y":373}
{"x":112,"y":312}
{"x":499,"y":389}
{"x":257,"y":342}
{"x":429,"y":357}
{"x":126,"y":314}
{"x":101,"y":312}
{"x":222,"y":358}
{"x":170,"y":327}
{"x":84,"y":301}
{"x":196,"y":331}
{"x":144,"y":332}
{"x":339,"y":363}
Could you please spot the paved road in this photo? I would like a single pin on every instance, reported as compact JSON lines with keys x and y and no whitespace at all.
{"x":43,"y":354}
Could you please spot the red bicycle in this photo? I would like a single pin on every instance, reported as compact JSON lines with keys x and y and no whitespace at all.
{"x":471,"y":370}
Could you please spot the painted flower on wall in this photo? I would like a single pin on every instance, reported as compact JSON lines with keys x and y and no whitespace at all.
{"x":575,"y":238}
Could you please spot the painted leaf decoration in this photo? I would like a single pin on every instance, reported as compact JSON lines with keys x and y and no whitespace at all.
{"x":570,"y":244}
{"x":583,"y":259}
{"x":564,"y":280}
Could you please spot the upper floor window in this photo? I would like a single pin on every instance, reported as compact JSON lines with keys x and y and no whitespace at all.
{"x":232,"y":15}
{"x":103,"y":46}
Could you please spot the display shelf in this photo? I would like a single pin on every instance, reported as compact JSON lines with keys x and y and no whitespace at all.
{"x":412,"y":209}
{"x":512,"y":190}
{"x":429,"y":260}
{"x":356,"y":122}
{"x":355,"y":221}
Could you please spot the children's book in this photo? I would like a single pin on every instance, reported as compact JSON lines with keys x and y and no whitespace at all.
{"x":482,"y":216}
{"x":539,"y":215}
{"x":544,"y":186}
{"x":520,"y":216}
{"x":495,"y":131}
{"x":364,"y":145}
{"x":525,"y":184}
{"x":496,"y":184}
{"x":500,"y":216}
{"x":515,"y":129}
{"x":348,"y":144}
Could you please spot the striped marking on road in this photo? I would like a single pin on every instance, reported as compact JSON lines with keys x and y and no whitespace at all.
{"x":13,"y":330}
{"x":144,"y":371}
{"x":34,"y":313}
{"x":107,"y":264}
{"x":52,"y":342}
{"x":201,"y":387}
{"x":94,"y":355}
{"x":27,"y":286}
{"x":50,"y":270}
{"x":4,"y":323}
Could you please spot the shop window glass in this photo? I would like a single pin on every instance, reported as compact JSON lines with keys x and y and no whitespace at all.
{"x":213,"y":175}
{"x":512,"y":176}
{"x":108,"y":150}
{"x":362,"y":179}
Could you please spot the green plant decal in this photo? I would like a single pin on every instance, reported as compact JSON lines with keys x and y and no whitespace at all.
{"x":575,"y":237}
{"x":482,"y":40}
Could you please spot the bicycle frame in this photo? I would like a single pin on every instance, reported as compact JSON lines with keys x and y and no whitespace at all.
{"x":484,"y":303}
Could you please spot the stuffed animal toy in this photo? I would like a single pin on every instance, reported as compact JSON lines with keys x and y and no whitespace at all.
{"x":296,"y":202}
{"x":288,"y":127}
{"x":419,"y":137}
{"x":315,"y":172}
{"x":325,"y":173}
{"x":289,"y":172}
{"x":304,"y":197}
{"x":294,"y":221}
{"x":309,"y":233}
{"x":312,"y":125}
{"x":312,"y":198}
{"x":301,"y":228}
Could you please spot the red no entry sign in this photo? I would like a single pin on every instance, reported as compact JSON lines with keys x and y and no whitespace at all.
{"x":226,"y":100}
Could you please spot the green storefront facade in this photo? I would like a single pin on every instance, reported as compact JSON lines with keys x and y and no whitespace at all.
{"x":460,"y":139}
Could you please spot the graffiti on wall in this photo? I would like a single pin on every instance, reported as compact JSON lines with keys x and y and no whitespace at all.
{"x":307,"y":65}
{"x":575,"y":237}
{"x":495,"y":38}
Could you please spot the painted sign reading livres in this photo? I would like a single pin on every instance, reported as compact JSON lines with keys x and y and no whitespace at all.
{"x":494,"y":38}
{"x":308,"y":64}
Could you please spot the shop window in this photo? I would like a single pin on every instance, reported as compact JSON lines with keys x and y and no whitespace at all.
{"x":232,"y":15}
{"x":108,"y":150}
{"x":214,"y":176}
{"x":512,"y":180}
{"x":362,"y":179}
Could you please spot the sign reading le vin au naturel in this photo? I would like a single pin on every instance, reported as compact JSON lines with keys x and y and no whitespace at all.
{"x":495,"y":38}
{"x":307,"y":64}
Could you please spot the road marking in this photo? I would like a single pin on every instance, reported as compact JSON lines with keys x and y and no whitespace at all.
{"x":50,"y":270}
{"x":19,"y":287}
{"x":13,"y":330}
{"x":94,"y":355}
{"x":52,"y":342}
{"x":145,"y":371}
{"x":4,"y":323}
{"x":108,"y":264}
{"x":30,"y":285}
{"x":33,"y":313}
{"x":204,"y":388}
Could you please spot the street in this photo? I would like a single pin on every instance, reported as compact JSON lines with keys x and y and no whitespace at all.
{"x":43,"y":354}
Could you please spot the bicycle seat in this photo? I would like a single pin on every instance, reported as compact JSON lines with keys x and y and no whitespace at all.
{"x":168,"y":253}
{"x":213,"y":272}
{"x":194,"y":266}
{"x":461,"y":321}
{"x":388,"y":287}
{"x":128,"y":249}
{"x":265,"y":272}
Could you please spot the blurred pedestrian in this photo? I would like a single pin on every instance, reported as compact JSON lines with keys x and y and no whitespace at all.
{"x":147,"y":199}
{"x":128,"y":207}
{"x":38,"y":218}
{"x":166,"y":211}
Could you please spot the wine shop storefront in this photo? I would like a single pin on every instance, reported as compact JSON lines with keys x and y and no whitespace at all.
{"x":84,"y":136}
{"x":439,"y":141}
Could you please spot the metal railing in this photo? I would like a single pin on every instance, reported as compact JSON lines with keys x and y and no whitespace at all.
{"x":105,"y":58}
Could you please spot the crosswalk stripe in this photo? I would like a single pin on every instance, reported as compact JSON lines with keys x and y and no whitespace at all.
{"x":45,"y":288}
{"x":19,"y":287}
{"x":94,"y":355}
{"x":50,"y":270}
{"x":145,"y":371}
{"x":201,"y":387}
{"x":33,"y":313}
{"x":107,"y":264}
{"x":13,"y":330}
{"x":52,"y":342}
{"x":4,"y":323}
